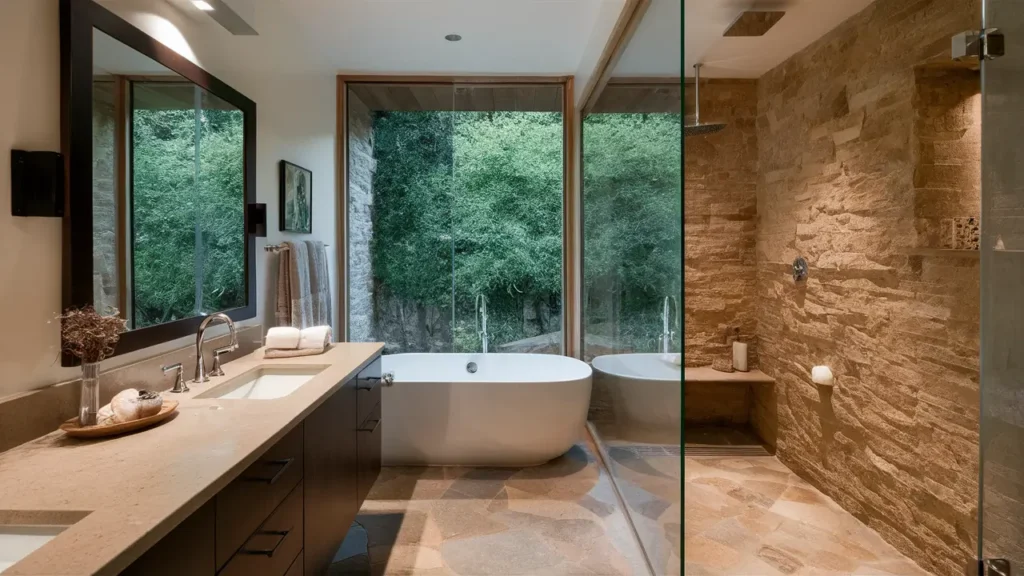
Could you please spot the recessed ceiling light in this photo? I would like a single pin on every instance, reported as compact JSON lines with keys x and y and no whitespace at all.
{"x":203,"y":5}
{"x":453,"y":37}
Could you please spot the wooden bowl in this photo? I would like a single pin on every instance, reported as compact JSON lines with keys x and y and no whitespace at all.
{"x":71,"y":427}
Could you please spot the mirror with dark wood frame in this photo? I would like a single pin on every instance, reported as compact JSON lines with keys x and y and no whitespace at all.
{"x":160,"y":160}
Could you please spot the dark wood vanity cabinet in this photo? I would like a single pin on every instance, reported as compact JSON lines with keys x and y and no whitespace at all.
{"x":288,"y":513}
{"x":332,"y":462}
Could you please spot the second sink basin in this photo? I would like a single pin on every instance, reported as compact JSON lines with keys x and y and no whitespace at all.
{"x":264,"y":383}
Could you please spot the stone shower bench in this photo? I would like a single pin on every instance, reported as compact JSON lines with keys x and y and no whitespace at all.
{"x":722,"y":400}
{"x":708,"y":375}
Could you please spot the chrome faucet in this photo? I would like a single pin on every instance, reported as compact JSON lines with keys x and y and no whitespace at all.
{"x":481,"y":317}
{"x":667,"y":334}
{"x":200,"y":365}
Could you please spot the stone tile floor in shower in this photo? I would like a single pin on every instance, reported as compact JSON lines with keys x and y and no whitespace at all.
{"x":558,"y":518}
{"x":751,"y":515}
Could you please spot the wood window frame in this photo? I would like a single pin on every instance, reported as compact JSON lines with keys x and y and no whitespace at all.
{"x":570,"y":190}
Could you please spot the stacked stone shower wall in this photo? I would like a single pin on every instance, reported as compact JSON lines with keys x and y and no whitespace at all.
{"x":862,"y":151}
{"x":719,"y":223}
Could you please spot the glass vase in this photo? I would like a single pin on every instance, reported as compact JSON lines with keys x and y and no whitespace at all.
{"x":89,"y":405}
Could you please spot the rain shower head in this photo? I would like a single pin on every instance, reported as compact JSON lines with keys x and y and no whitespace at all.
{"x":698,"y":129}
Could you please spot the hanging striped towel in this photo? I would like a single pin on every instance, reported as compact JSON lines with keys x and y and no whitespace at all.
{"x":294,"y":299}
{"x":319,"y":284}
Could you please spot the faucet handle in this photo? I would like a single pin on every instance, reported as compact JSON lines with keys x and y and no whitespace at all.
{"x":216,"y":370}
{"x":179,"y":381}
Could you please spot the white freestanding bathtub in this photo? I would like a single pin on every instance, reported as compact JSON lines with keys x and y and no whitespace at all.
{"x":644,"y":390}
{"x":514,"y":410}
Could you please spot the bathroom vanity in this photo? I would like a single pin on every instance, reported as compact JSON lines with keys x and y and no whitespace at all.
{"x":248,"y":485}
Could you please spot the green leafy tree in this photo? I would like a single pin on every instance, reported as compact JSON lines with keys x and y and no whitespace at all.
{"x":632,"y":198}
{"x":173,"y":206}
{"x":470,"y":203}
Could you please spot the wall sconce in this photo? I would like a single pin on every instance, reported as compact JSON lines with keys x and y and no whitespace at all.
{"x":37,"y":184}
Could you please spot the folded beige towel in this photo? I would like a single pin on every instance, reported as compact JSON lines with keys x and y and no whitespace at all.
{"x":283,"y":337}
{"x":275,"y":353}
{"x":317,"y":337}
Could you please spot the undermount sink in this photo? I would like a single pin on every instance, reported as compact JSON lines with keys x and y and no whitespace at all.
{"x":264,"y":383}
{"x":22,"y":532}
{"x":16,"y":542}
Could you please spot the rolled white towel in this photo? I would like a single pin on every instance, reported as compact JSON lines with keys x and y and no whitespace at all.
{"x":315,"y":338}
{"x":283,"y":337}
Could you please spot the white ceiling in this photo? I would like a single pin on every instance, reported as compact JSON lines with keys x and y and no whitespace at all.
{"x":654,"y":48}
{"x":112,"y":57}
{"x":535,"y":37}
{"x":737,"y":57}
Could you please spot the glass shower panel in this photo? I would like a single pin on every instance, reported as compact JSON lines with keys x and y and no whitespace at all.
{"x":507,"y":218}
{"x":1001,"y":507}
{"x":632,"y":209}
{"x":399,"y":225}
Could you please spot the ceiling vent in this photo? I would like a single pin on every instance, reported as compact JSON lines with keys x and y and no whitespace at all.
{"x":754,"y":22}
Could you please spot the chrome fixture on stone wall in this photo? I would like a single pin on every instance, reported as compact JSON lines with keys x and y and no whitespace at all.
{"x":800,"y":269}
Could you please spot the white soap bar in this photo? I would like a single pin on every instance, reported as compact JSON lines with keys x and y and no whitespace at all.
{"x":822,"y":375}
{"x":739,"y":356}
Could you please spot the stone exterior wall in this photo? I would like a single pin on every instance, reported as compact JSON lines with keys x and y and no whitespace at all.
{"x":861,"y":151}
{"x":720,"y":216}
{"x":361,"y":166}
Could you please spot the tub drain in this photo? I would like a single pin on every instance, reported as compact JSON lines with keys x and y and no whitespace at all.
{"x":471,"y":367}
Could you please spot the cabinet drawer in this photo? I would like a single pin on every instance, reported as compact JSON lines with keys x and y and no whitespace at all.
{"x":273,"y":548}
{"x":245,"y":503}
{"x":368,"y":453}
{"x":368,"y":381}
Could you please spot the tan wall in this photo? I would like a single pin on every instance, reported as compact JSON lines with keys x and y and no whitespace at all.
{"x":720,"y":217}
{"x":296,"y":121}
{"x":861,"y":155}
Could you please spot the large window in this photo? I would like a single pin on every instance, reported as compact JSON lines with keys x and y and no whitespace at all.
{"x":632,"y":209}
{"x":455,"y":214}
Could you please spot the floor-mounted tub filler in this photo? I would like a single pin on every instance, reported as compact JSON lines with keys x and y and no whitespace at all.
{"x":512,"y":410}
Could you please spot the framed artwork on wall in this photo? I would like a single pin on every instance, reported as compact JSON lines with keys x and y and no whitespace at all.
{"x":296,"y":206}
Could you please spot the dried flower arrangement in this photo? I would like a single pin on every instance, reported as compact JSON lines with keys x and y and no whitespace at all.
{"x":88,"y":335}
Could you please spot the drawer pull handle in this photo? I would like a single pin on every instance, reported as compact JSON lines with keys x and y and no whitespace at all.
{"x":283,"y":463}
{"x":268,"y":552}
{"x":365,"y":428}
{"x":388,"y":379}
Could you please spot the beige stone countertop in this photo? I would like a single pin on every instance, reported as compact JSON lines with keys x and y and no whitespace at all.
{"x":136,"y":488}
{"x":708,"y":375}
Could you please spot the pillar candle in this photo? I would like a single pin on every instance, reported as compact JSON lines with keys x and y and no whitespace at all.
{"x":739,"y":356}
